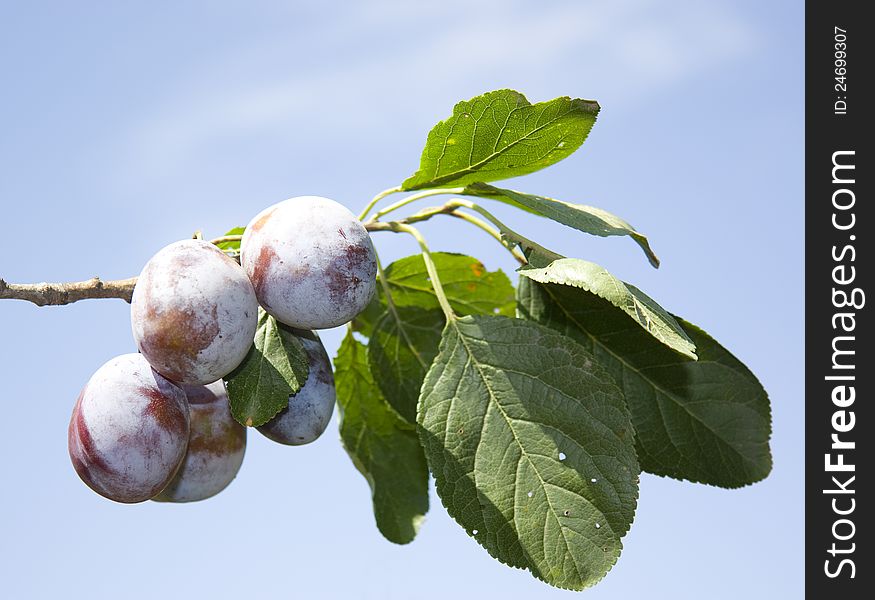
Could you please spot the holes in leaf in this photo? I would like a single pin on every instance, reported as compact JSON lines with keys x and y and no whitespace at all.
{"x":593,"y":480}
{"x":530,"y":494}
{"x":567,"y":512}
{"x":474,"y":531}
{"x":561,"y":456}
{"x":597,"y":526}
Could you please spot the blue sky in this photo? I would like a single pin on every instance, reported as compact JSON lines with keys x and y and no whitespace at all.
{"x":125,"y":127}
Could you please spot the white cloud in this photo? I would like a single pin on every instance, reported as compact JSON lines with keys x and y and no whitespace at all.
{"x":387,"y":52}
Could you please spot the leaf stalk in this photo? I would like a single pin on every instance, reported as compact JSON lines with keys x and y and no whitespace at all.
{"x":413,"y":198}
{"x":377,"y":198}
{"x":430,"y":267}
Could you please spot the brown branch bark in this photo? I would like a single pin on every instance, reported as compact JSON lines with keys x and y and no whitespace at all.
{"x":56,"y":294}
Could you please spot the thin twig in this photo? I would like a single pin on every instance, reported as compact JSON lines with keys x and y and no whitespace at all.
{"x":56,"y":294}
{"x":376,"y":199}
{"x":430,"y":268}
{"x":413,"y":198}
{"x":450,"y":209}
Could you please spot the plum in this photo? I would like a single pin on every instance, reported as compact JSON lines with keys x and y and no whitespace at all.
{"x":310,"y":409}
{"x":311,"y":262}
{"x":215,"y":447}
{"x":129,"y":430}
{"x":193,"y":312}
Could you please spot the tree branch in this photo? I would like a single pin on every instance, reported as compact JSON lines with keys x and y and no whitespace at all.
{"x":56,"y":294}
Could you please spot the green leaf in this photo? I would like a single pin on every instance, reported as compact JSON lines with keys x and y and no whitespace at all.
{"x":592,"y":278}
{"x":402,"y":346}
{"x":275,"y":368}
{"x":383,"y":448}
{"x":531,"y":447}
{"x":500,"y":135}
{"x":705,"y":421}
{"x":536,"y":255}
{"x":365,"y":321}
{"x":469,"y":287}
{"x":404,"y":337}
{"x":231,"y":245}
{"x":587,"y":219}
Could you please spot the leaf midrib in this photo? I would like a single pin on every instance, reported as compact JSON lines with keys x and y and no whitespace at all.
{"x":494,"y":400}
{"x":473,"y":168}
{"x":250,"y":413}
{"x":274,"y":339}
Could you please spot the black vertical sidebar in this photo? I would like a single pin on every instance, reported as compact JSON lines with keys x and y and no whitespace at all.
{"x":839,"y":364}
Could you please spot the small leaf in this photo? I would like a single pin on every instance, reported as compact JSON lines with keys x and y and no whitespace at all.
{"x":404,"y":336}
{"x":531,"y":447}
{"x":705,"y":421}
{"x":588,"y":219}
{"x":383,"y":448}
{"x":231,"y":245}
{"x":592,"y":278}
{"x":275,"y":368}
{"x":500,"y":135}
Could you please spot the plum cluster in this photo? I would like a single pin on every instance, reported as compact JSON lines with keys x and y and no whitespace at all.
{"x":157,"y":424}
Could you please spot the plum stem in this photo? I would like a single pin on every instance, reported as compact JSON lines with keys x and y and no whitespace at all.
{"x":226,"y":238}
